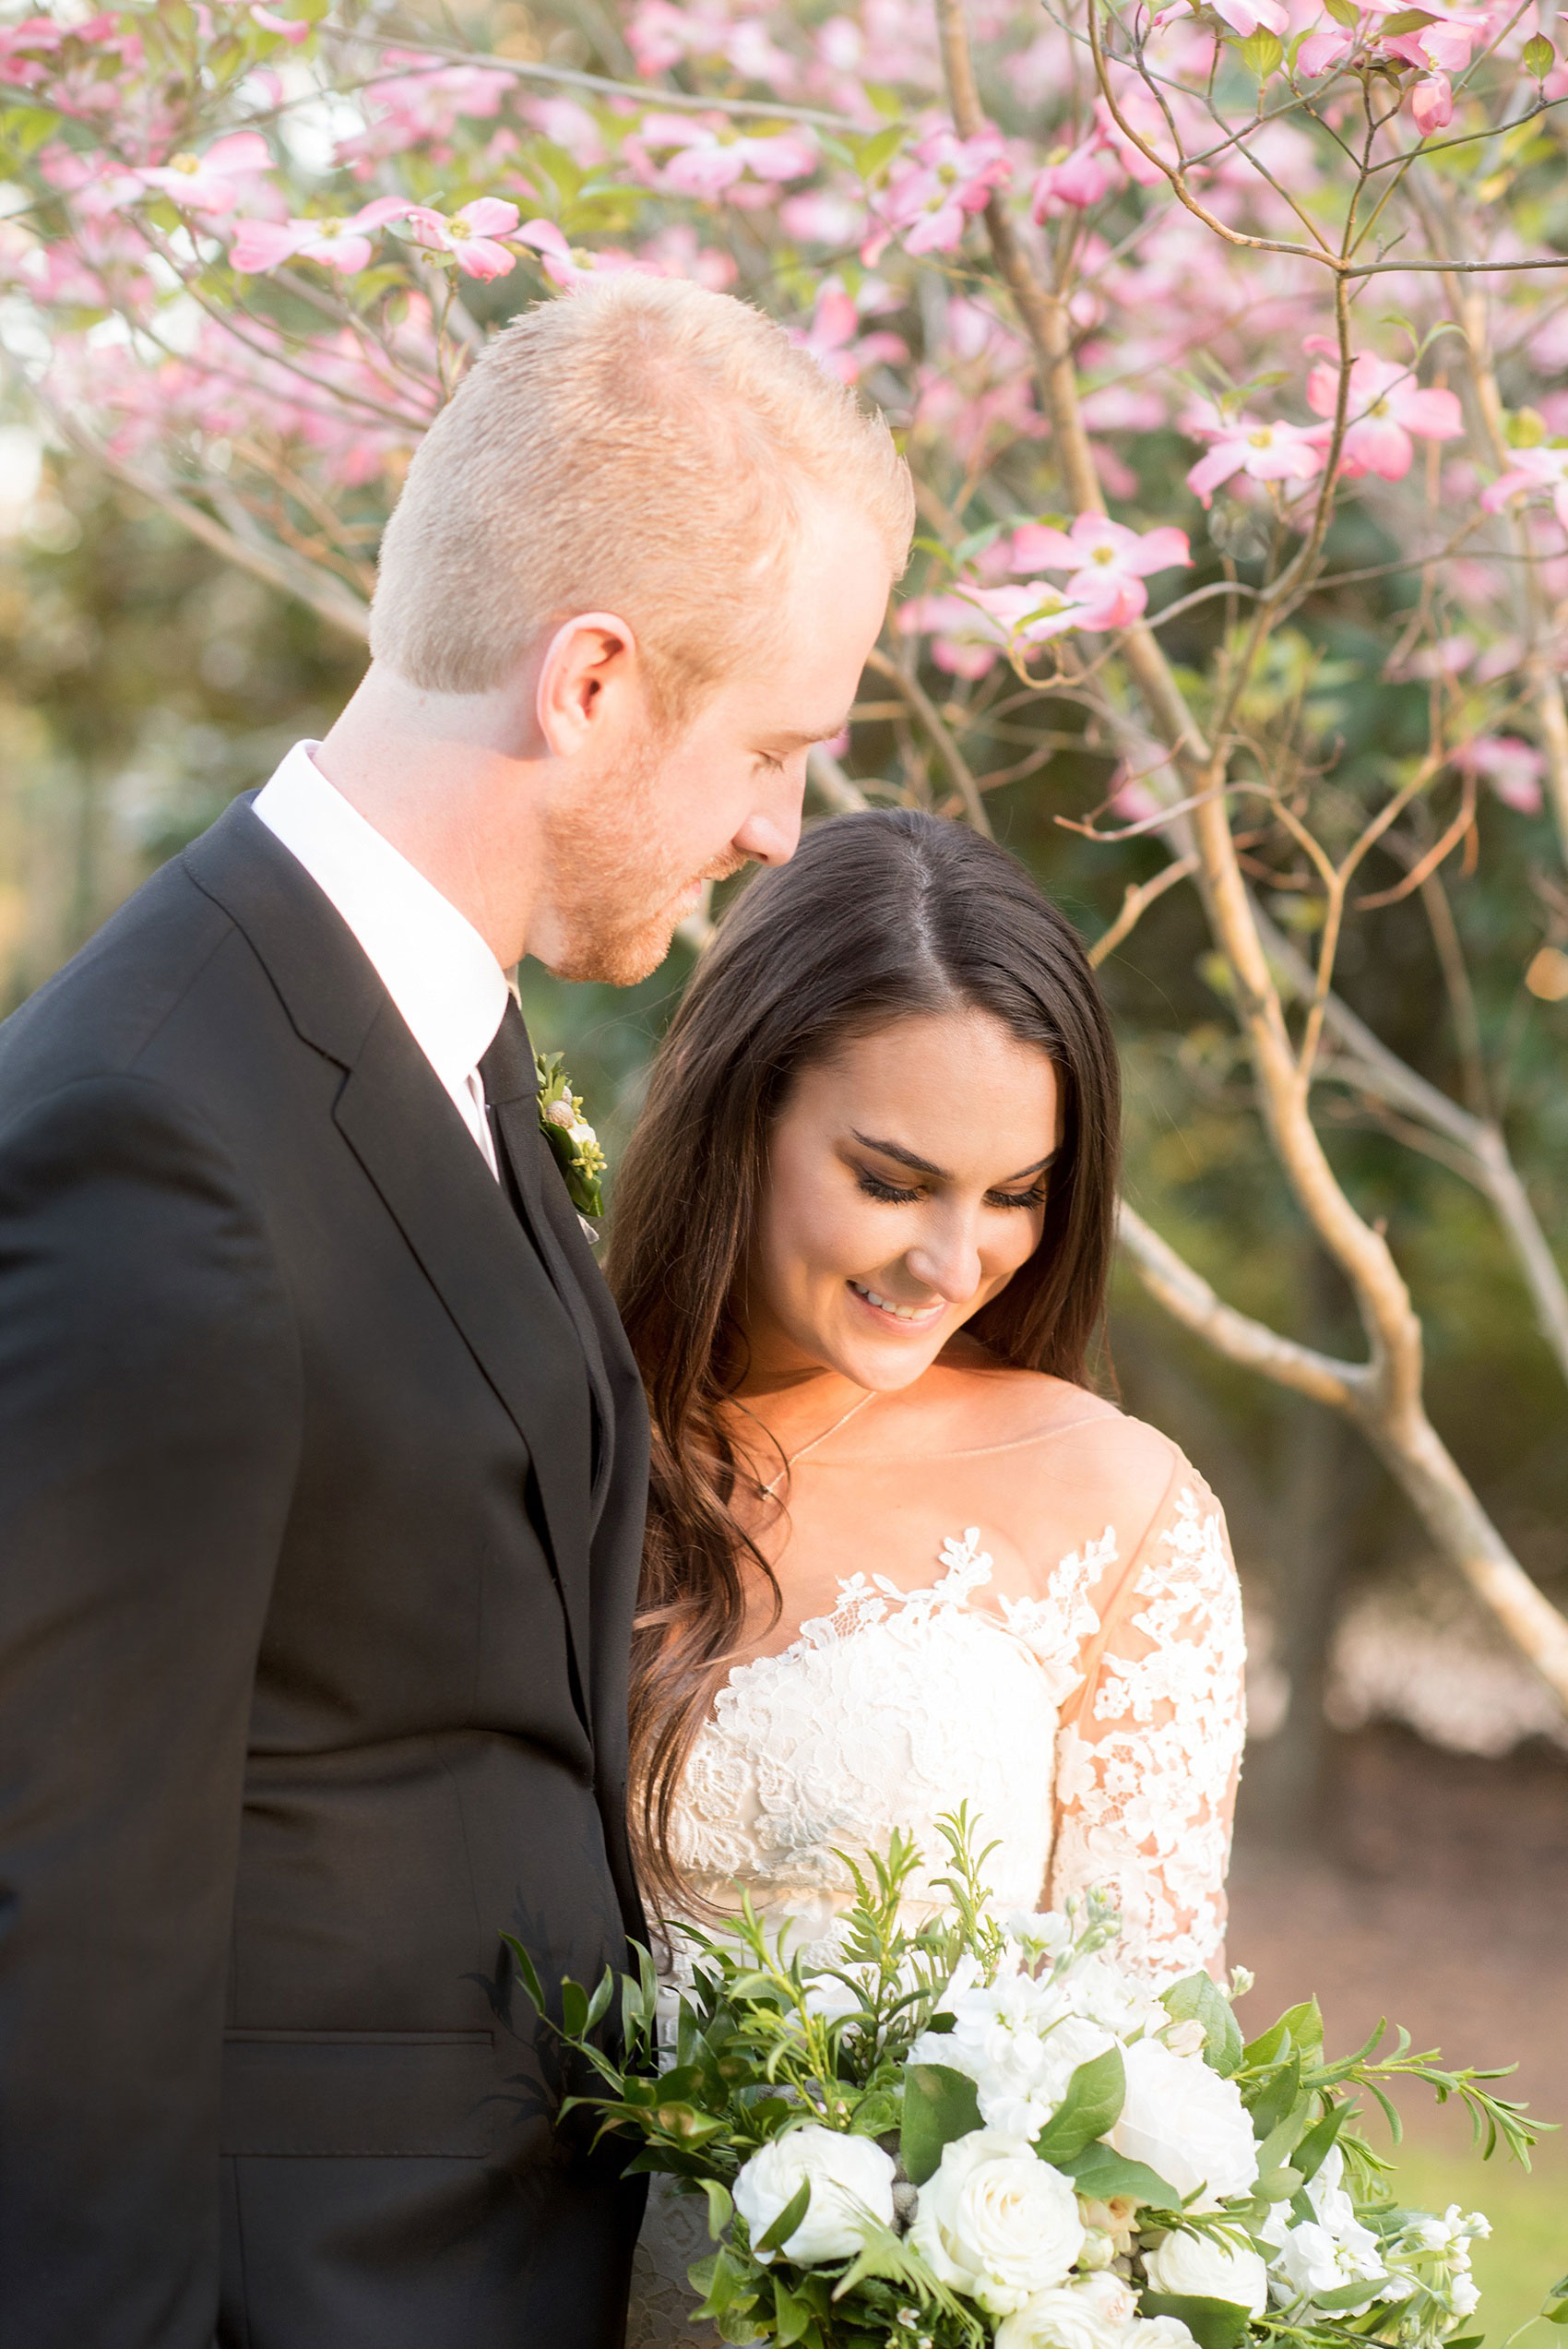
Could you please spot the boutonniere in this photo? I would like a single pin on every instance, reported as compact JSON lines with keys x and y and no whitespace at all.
{"x":571,"y":1138}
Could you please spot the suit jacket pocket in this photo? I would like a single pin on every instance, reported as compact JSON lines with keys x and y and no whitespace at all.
{"x":375,"y":2092}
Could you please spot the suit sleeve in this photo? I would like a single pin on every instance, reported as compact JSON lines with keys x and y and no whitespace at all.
{"x":150,"y":1413}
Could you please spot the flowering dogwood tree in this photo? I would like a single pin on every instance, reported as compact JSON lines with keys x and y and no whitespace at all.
{"x":1192,"y":322}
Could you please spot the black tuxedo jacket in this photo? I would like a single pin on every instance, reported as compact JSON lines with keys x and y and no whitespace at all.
{"x":321,"y":1479}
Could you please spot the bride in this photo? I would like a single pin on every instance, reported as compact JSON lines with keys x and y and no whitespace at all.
{"x":900,"y":1556}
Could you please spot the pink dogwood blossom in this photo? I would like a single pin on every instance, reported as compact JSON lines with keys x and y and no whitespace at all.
{"x":214,"y":182}
{"x":1266,"y":452}
{"x":1386,"y":405}
{"x":1431,"y":103}
{"x":836,"y":341}
{"x":1535,"y":471}
{"x":345,"y":246}
{"x":1109,"y":564}
{"x":1513,"y":768}
{"x":1244,"y":17}
{"x":931,"y":195}
{"x":470,"y":236}
{"x":708,"y":163}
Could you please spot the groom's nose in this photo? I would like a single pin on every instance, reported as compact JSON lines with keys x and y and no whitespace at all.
{"x":771,"y":833}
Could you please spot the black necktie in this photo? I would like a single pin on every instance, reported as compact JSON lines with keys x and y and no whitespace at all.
{"x":510,"y":1077}
{"x":511,"y":1091}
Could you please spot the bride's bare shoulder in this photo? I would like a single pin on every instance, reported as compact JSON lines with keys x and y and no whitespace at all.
{"x":1083,"y":1442}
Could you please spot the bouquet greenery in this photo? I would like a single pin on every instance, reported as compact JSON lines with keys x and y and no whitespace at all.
{"x":980,"y":2130}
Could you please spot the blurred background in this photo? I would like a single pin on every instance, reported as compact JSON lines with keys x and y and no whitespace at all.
{"x":1404,"y":1825}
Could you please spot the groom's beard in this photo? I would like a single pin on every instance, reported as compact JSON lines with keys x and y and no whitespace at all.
{"x":618,"y":895}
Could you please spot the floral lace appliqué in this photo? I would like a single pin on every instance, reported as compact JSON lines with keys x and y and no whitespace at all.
{"x":897,"y":1706}
{"x":1144,"y":1781}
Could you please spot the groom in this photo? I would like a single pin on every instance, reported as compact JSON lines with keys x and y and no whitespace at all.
{"x":322,"y":1456}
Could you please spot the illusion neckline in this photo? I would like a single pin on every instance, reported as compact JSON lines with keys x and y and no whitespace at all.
{"x":966,"y":1452}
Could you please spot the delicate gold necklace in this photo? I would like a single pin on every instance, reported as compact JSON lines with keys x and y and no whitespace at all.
{"x":768,"y":1490}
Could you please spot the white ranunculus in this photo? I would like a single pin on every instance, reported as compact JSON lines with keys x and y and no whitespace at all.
{"x":1186,"y":2123}
{"x":996,"y":2222}
{"x":1092,"y":2314}
{"x":1209,"y":2270}
{"x":1157,"y":2332}
{"x":847,"y":2177}
{"x":1020,"y":2043}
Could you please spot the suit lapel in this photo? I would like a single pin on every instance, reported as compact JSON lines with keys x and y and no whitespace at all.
{"x":413,"y":1147}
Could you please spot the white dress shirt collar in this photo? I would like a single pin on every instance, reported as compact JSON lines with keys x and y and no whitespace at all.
{"x":440,"y":974}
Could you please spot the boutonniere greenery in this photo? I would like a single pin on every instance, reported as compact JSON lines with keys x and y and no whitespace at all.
{"x":571,"y":1138}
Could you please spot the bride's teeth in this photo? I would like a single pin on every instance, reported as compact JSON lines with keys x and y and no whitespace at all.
{"x":886,"y":1304}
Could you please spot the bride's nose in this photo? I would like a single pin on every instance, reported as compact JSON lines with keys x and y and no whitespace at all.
{"x":947,"y":1259}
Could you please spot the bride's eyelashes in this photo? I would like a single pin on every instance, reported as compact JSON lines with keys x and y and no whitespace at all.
{"x":892,"y":1195}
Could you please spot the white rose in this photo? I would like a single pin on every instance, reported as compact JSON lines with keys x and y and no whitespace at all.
{"x":1093,"y":2314}
{"x":1187,"y":2124}
{"x":847,"y":2177}
{"x":1209,"y":2270}
{"x":996,"y":2222}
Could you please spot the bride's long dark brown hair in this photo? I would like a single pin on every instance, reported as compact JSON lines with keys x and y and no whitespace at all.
{"x":880,"y":917}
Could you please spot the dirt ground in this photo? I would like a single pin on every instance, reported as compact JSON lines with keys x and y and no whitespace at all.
{"x":1439,"y":1896}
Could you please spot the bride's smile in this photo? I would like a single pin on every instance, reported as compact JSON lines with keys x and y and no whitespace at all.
{"x":906,"y":1185}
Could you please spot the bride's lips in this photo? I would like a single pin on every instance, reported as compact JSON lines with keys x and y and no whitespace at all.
{"x":886,"y":1314}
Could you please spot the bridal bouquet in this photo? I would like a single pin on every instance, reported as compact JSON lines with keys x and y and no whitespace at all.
{"x":984,"y":2130}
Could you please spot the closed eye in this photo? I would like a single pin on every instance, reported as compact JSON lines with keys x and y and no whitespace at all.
{"x":890,"y":1193}
{"x":1034,"y":1197}
{"x":896,"y":1195}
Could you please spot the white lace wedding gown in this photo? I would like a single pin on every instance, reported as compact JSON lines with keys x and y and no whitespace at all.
{"x":1047,"y":1628}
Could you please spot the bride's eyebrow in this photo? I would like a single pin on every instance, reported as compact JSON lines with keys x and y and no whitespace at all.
{"x":923,"y":1165}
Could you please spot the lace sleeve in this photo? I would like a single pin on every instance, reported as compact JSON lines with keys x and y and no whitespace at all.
{"x":1147,"y":1759}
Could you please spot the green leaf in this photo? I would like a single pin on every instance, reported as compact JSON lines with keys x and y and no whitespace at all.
{"x":1095,"y":2094}
{"x":720,"y":2210}
{"x":1540,"y":56}
{"x":791,"y":2316}
{"x":1314,"y":2149}
{"x":527,"y":1971}
{"x":1559,"y":2315}
{"x":1304,"y":2023}
{"x":1100,"y":2171}
{"x":574,"y":2007}
{"x":1269,"y":2104}
{"x":1343,"y":13}
{"x":1263,"y":51}
{"x":1197,"y":1998}
{"x":977,"y":542}
{"x":1214,"y":2324}
{"x":871,"y":154}
{"x":789,"y":2219}
{"x":939,"y":2105}
{"x":599,"y":2005}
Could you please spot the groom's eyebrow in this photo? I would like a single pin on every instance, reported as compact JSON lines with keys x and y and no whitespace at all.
{"x":923,"y":1165}
{"x":789,"y":740}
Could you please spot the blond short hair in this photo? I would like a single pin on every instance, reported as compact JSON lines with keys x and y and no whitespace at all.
{"x":640,"y":446}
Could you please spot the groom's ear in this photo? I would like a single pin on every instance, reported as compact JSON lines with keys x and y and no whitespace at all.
{"x":588,"y":680}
